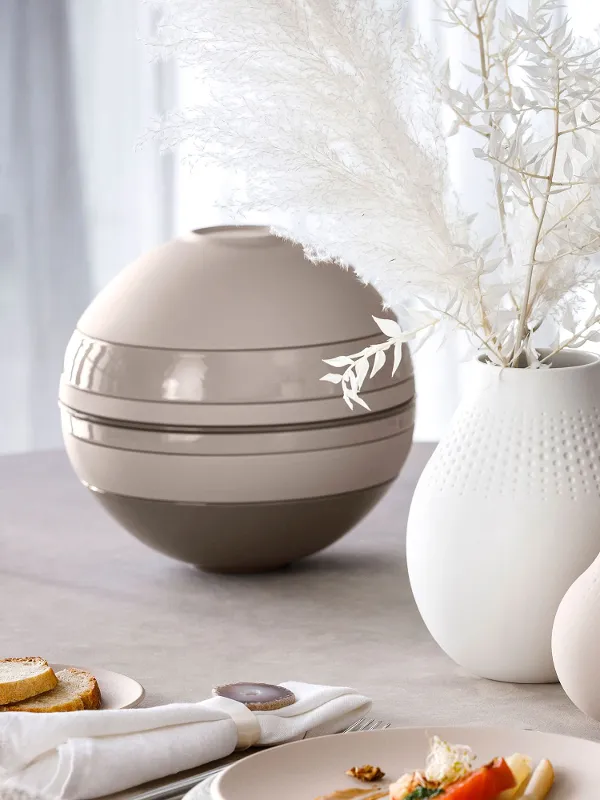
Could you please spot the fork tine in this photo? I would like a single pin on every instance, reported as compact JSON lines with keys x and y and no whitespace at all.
{"x":370,"y":725}
{"x":381,"y":725}
{"x":356,"y":726}
{"x":364,"y":724}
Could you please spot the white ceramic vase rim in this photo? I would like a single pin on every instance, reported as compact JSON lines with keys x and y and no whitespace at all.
{"x":567,"y":361}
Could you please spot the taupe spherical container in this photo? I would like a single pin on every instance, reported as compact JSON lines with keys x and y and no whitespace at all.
{"x":193,"y":408}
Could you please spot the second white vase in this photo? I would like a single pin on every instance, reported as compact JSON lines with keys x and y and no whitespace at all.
{"x":506,"y":515}
{"x":576,"y":641}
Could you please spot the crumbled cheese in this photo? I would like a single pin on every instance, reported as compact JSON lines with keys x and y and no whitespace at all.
{"x":447,"y":763}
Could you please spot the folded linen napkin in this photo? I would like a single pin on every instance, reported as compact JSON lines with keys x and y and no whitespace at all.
{"x":87,"y":754}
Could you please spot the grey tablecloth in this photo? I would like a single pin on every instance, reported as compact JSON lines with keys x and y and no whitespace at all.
{"x":75,"y":588}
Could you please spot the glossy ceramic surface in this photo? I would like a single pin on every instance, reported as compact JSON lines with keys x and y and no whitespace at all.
{"x":225,"y":326}
{"x":260,"y":477}
{"x":242,"y":537}
{"x":159,"y":375}
{"x":235,"y":414}
{"x":248,"y":440}
{"x":193,"y":405}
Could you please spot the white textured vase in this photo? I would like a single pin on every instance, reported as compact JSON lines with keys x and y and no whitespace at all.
{"x":506,"y":515}
{"x":576,"y":641}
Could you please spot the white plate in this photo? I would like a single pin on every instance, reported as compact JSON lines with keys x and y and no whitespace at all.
{"x":313,"y":767}
{"x":118,"y":691}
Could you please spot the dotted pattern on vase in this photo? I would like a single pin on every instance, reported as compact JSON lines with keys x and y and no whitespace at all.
{"x":491,"y":453}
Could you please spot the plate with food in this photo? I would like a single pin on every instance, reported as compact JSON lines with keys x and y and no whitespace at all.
{"x":32,"y":684}
{"x":418,"y":763}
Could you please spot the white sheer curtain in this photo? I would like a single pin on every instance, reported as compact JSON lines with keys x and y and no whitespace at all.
{"x":43,"y":247}
{"x":79,"y":197}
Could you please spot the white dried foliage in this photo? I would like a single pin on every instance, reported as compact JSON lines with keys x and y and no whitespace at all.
{"x":332,"y":109}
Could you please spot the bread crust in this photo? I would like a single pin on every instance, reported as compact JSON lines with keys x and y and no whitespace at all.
{"x":91,"y":699}
{"x":29,"y":686}
{"x":76,"y":690}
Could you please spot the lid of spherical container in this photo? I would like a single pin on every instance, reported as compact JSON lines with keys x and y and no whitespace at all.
{"x":231,"y":288}
{"x":225,"y":325}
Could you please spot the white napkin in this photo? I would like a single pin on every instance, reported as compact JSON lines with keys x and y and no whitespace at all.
{"x":87,"y":754}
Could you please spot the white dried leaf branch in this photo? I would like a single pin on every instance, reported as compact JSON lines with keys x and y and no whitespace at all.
{"x":358,"y":365}
{"x":332,"y":111}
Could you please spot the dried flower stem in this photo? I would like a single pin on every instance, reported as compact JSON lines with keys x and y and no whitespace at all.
{"x":525,"y":307}
{"x":574,"y":338}
{"x":483,"y":65}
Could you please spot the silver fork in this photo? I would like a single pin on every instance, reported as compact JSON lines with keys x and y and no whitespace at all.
{"x":364,"y":724}
{"x":177,"y":789}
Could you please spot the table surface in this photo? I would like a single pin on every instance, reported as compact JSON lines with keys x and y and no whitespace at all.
{"x":76,"y":588}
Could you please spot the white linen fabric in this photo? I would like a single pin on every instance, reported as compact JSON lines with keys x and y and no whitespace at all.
{"x":88,"y":754}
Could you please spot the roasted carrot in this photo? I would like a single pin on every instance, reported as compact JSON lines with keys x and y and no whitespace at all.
{"x":485,"y":783}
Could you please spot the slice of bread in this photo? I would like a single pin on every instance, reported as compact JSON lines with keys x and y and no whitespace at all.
{"x":85,"y":684}
{"x":76,"y":690}
{"x":21,"y":678}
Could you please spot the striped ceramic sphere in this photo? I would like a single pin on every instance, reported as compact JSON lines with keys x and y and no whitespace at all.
{"x":192,"y":406}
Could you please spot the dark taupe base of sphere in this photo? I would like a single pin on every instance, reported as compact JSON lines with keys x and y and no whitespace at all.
{"x":241,"y":537}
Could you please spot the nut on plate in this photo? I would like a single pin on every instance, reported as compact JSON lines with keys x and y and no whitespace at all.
{"x":366,"y":773}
